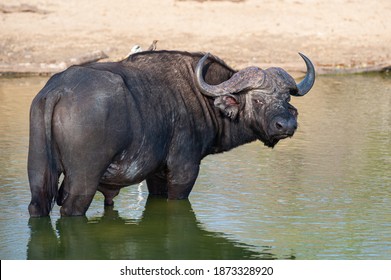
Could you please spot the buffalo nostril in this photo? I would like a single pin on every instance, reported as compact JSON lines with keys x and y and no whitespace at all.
{"x":285,"y":126}
{"x":279,"y":125}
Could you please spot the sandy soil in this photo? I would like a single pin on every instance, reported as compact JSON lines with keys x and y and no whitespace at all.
{"x":338,"y":35}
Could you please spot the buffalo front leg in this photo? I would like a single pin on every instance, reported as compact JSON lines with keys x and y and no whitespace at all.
{"x":109,"y":192}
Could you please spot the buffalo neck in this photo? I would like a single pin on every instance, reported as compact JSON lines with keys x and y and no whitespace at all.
{"x":231,"y":133}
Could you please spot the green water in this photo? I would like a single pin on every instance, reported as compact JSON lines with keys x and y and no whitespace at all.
{"x":324,"y":194}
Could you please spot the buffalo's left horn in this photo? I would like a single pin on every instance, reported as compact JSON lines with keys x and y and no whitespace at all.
{"x":248,"y":78}
{"x":306,"y":84}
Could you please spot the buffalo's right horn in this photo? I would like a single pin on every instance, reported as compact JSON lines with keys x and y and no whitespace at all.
{"x":306,"y":84}
{"x":248,"y":78}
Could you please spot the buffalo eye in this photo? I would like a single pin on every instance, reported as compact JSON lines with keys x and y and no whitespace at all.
{"x":259,"y":102}
{"x":286,"y":97}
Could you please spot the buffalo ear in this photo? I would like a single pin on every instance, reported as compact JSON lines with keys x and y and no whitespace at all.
{"x":228,"y":104}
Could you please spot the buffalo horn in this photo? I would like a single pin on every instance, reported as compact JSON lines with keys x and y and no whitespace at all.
{"x":247,"y":78}
{"x":306,"y":84}
{"x":202,"y":85}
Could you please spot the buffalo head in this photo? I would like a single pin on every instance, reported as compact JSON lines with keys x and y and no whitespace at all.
{"x":261,"y":97}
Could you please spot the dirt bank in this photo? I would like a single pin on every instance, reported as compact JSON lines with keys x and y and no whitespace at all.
{"x":338,"y":35}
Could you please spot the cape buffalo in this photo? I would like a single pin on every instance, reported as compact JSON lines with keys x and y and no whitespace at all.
{"x":153,"y":116}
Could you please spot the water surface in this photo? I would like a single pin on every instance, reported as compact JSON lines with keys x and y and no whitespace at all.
{"x":323,"y":194}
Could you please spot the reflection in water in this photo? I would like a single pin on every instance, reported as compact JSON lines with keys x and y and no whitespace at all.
{"x":166,"y":231}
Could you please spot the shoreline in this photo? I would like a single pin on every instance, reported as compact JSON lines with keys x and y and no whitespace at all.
{"x":49,"y":69}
